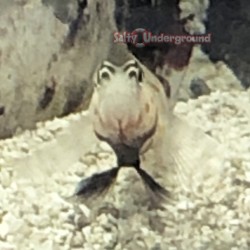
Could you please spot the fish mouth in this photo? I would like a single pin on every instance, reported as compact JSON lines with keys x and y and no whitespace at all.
{"x":136,"y":141}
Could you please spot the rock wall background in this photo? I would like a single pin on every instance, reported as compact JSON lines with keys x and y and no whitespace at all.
{"x":229,"y":24}
{"x":45,"y":67}
{"x":49,"y":49}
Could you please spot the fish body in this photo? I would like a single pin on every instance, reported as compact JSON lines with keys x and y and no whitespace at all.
{"x":125,"y":114}
{"x":132,"y":111}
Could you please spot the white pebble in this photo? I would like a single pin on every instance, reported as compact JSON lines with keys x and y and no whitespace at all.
{"x":86,"y":232}
{"x":4,"y":230}
{"x":85,"y":210}
{"x":7,"y":246}
{"x":77,"y":240}
{"x":5,"y":179}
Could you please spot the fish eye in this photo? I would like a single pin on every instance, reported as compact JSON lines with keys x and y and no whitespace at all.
{"x":134,"y":70}
{"x":104,"y":75}
{"x":136,"y":73}
{"x":105,"y":72}
{"x":132,"y":73}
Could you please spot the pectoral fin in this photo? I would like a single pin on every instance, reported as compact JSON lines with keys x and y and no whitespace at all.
{"x":58,"y":154}
{"x":97,"y":184}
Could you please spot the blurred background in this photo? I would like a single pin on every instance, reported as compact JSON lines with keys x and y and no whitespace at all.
{"x":50,"y":48}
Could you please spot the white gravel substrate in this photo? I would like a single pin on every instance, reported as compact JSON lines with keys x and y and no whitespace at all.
{"x":36,"y":216}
